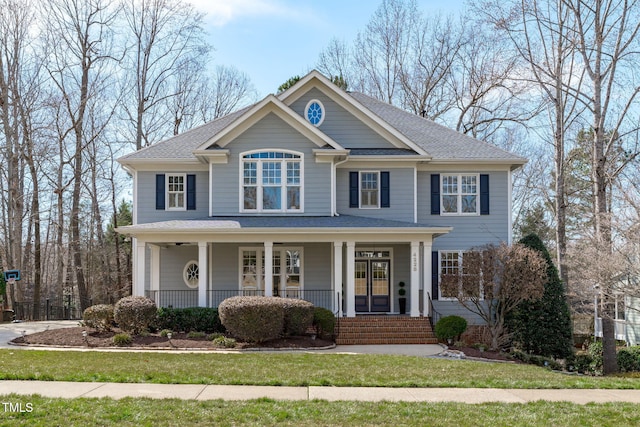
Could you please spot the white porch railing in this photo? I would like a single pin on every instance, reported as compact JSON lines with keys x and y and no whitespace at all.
{"x":620,"y":329}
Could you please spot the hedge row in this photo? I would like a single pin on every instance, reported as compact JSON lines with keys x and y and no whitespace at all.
{"x":201,"y":319}
{"x":259,"y":319}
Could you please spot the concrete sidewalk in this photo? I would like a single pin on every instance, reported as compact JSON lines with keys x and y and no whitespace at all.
{"x":71,"y":390}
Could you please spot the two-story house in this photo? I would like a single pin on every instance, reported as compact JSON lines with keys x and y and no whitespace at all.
{"x":315,"y":193}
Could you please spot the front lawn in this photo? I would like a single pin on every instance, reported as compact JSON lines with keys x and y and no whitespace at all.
{"x":287,"y":369}
{"x":266,"y":412}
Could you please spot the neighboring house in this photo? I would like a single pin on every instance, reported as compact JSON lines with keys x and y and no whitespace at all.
{"x":337,"y":196}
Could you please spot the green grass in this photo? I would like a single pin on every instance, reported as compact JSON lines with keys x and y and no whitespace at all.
{"x":287,"y":369}
{"x":265,"y":412}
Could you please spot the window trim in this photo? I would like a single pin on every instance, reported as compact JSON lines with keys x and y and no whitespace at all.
{"x":459,"y":194}
{"x":306,"y":112}
{"x":379,"y":189}
{"x":168,"y":193}
{"x":184,"y":273}
{"x":283,"y":180}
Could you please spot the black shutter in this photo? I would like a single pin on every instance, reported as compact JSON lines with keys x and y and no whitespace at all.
{"x":353,"y":190}
{"x":160,"y":192}
{"x":435,"y":274}
{"x":191,"y":192}
{"x":385,"y":190}
{"x":435,"y":194}
{"x":484,"y":194}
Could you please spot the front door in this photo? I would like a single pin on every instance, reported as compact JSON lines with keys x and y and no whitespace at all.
{"x":372,"y":285}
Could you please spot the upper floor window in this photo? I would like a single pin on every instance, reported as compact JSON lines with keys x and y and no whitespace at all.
{"x":176,"y":191}
{"x":271,"y":182}
{"x":460,"y":194}
{"x":314,"y":112}
{"x":369,"y":189}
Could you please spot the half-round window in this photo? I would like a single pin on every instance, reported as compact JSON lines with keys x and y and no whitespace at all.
{"x":191,"y":275}
{"x":315,"y":112}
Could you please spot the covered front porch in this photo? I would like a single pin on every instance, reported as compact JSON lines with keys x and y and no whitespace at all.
{"x":349,"y":265}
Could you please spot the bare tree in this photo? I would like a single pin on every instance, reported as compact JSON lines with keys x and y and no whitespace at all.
{"x":493,"y":281}
{"x":78,"y":43}
{"x":167,"y":34}
{"x":539,"y":32}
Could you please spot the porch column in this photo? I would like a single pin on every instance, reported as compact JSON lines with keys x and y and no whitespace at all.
{"x":203,"y":269}
{"x":268,"y":269}
{"x":415,"y":280}
{"x":337,"y":276}
{"x":155,"y":273}
{"x":351,"y":281}
{"x":139,"y":276}
{"x":426,"y":281}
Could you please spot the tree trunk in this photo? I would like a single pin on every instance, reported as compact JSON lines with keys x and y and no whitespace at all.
{"x":609,"y":359}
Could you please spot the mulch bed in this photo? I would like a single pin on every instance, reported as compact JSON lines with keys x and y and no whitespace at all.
{"x":72,"y":337}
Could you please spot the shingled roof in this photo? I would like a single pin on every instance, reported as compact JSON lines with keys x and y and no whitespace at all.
{"x":440,"y":142}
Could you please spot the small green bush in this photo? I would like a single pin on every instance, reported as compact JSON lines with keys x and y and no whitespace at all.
{"x":298,"y":316}
{"x":204,"y":319}
{"x":122,"y":340}
{"x":224,"y":342}
{"x":629,"y":359}
{"x":253,"y":318}
{"x":595,"y":351}
{"x":324,"y":322}
{"x":99,"y":317}
{"x":135,"y":314}
{"x":196,"y":335}
{"x":582,"y":363}
{"x":450,"y":327}
{"x":533,"y":359}
{"x":165,"y":332}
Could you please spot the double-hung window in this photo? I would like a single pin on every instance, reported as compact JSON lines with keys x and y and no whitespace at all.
{"x":176,"y":190}
{"x":460,"y":274}
{"x":271,"y":182}
{"x":369,"y":189}
{"x":460,"y":194}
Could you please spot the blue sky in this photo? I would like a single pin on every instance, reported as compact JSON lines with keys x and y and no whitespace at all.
{"x":272,"y":40}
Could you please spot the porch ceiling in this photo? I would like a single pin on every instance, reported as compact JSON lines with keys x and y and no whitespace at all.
{"x":292,"y":228}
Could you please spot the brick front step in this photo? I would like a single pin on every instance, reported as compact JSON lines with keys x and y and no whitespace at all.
{"x":382,"y":329}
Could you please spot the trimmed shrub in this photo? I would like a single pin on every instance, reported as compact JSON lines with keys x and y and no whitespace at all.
{"x":99,"y":317}
{"x":629,"y":359}
{"x":135,"y":314}
{"x":196,"y":335}
{"x":298,"y":316}
{"x":582,"y":363}
{"x":450,"y":327}
{"x":324,"y":322}
{"x":253,"y":318}
{"x":122,"y":340}
{"x":165,"y":333}
{"x":203,"y":319}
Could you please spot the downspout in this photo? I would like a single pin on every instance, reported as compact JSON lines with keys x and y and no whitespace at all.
{"x":334,"y":190}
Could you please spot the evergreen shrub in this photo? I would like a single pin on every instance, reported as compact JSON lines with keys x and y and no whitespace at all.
{"x":450,"y":327}
{"x":253,"y":318}
{"x":324,"y":322}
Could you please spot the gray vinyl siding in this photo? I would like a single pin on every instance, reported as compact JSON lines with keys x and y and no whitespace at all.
{"x":341,"y":125}
{"x":271,"y":133}
{"x":468,"y":231}
{"x":454,"y":308}
{"x":173,"y":259}
{"x":146,"y":195}
{"x":401,"y":194}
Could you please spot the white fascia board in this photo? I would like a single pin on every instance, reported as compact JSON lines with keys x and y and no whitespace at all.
{"x":219,"y":156}
{"x":469,"y":165}
{"x":347,"y":102}
{"x":168,"y":165}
